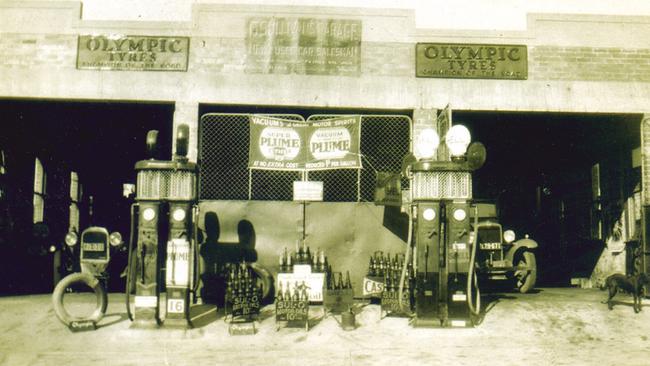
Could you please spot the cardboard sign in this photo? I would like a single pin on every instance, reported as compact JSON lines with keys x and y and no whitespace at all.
{"x":334,"y":144}
{"x":390,"y":301}
{"x":373,"y":286}
{"x":288,"y":310}
{"x":245,"y":306}
{"x":178,"y":262}
{"x":307,"y":191}
{"x":388,"y":189}
{"x":315,"y":283}
{"x":279,"y":144}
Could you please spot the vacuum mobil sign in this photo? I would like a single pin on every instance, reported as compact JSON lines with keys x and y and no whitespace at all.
{"x":471,"y":61}
{"x":279,"y":144}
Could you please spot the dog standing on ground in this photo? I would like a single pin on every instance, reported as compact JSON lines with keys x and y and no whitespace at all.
{"x":631,"y":284}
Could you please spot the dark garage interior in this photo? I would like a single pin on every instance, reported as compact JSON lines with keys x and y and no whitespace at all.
{"x":101,"y":141}
{"x":539,"y":170}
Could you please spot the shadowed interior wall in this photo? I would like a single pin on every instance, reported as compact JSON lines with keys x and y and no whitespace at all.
{"x":348,"y":232}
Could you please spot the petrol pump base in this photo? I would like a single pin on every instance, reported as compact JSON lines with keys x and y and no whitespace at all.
{"x":551,"y":326}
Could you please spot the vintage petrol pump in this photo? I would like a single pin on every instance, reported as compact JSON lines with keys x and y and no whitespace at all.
{"x":441,"y":191}
{"x":163,"y":226}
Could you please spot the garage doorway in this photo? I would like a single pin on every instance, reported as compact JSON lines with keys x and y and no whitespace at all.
{"x":570,"y":181}
{"x":98,"y":141}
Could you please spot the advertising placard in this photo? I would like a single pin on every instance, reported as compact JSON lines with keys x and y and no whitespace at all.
{"x":471,"y":61}
{"x":276,"y":144}
{"x":311,"y":46}
{"x":133,"y":53}
{"x":279,"y":144}
{"x":334,"y":144}
{"x":308,"y":191}
{"x":388,"y":189}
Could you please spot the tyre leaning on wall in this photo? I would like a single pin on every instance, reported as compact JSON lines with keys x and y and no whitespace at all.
{"x":92,"y":282}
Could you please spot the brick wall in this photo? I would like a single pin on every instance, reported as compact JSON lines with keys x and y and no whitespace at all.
{"x":388,"y":59}
{"x":228,"y":55}
{"x":588,"y":63}
{"x":38,"y":50}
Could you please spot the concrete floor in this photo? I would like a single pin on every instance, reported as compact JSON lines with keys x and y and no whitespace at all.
{"x":552,"y":327}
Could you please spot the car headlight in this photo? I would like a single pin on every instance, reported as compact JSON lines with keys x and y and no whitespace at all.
{"x":179,"y":214}
{"x":429,"y":214}
{"x":426,"y":144}
{"x":148,"y":214}
{"x":460,"y":214}
{"x":71,"y":239}
{"x":509,"y":236}
{"x":115,"y":238}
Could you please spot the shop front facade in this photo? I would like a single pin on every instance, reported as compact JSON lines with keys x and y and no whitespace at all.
{"x":230,"y":60}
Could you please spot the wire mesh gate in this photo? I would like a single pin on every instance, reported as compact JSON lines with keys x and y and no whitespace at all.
{"x":225,"y":175}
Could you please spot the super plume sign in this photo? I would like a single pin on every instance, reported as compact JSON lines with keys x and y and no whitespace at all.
{"x":279,"y":144}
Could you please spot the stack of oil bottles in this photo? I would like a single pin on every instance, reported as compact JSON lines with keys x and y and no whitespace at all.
{"x":390,"y":271}
{"x":301,"y":277}
{"x":243,"y":293}
{"x":303,"y":256}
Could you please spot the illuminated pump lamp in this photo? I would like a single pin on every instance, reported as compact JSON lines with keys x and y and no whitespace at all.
{"x":466,"y":154}
{"x":441,"y":192}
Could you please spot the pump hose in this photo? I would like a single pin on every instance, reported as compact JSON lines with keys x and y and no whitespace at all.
{"x":471,"y":275}
{"x":129,"y":274}
{"x":197,"y":263}
{"x":407,"y":258}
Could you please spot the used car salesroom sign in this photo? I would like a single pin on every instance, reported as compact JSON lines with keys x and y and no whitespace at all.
{"x":279,"y":144}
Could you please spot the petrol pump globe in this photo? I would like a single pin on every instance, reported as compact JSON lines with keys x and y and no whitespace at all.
{"x":426,"y":144}
{"x":457,"y":140}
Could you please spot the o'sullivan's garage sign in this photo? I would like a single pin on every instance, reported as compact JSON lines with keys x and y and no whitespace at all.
{"x":134,"y":53}
{"x":471,"y":61}
{"x":278,"y":144}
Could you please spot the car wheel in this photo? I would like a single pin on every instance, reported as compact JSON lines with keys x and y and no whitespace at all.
{"x":527,"y":277}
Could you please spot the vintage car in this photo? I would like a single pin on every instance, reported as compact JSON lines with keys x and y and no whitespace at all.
{"x":97,"y":244}
{"x":500,"y":256}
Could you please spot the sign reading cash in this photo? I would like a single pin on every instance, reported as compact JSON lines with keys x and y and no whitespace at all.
{"x":303,"y":46}
{"x":471,"y":61}
{"x":133,"y":53}
{"x":279,"y":144}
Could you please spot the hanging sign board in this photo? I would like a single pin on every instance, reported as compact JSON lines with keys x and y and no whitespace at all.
{"x":308,"y":191}
{"x":278,"y":144}
{"x":388,"y":189}
{"x":471,"y":61}
{"x":132,"y":53}
{"x":310,"y":46}
{"x":334,"y":144}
